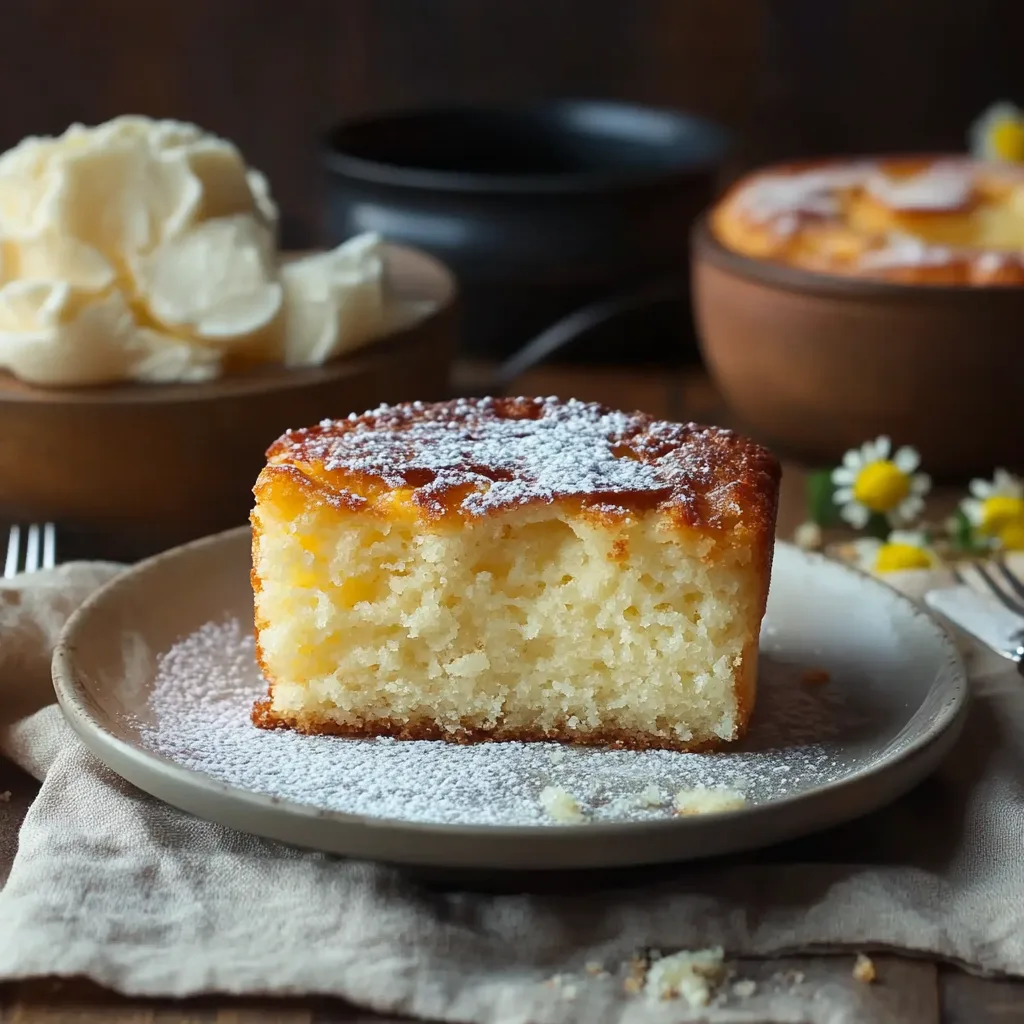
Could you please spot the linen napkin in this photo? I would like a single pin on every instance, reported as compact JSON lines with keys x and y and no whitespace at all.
{"x":111,"y":884}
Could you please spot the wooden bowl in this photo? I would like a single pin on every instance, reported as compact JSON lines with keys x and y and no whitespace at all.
{"x":815,"y":364}
{"x":179,"y":461}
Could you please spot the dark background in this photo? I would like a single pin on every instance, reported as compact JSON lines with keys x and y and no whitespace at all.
{"x":793,"y":77}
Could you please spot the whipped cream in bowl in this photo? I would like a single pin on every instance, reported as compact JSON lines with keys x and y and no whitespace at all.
{"x":145,"y":250}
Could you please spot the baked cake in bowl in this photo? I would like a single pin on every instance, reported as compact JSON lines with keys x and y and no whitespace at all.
{"x":914,"y":221}
{"x":513,"y":569}
{"x":847,"y":299}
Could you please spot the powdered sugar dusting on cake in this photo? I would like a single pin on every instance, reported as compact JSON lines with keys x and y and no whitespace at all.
{"x":906,"y":251}
{"x":500,"y":453}
{"x":784,"y":201}
{"x":199,"y":718}
{"x":942,"y":186}
{"x":799,"y":194}
{"x":784,"y":198}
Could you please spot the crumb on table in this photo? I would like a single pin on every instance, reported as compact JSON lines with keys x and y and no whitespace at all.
{"x":789,"y":977}
{"x":5,"y":797}
{"x":744,"y":988}
{"x":864,"y":969}
{"x":690,"y":975}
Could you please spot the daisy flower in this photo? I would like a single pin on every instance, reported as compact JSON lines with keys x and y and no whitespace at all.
{"x":875,"y":481}
{"x":902,"y":550}
{"x":998,"y":134}
{"x":996,"y":510}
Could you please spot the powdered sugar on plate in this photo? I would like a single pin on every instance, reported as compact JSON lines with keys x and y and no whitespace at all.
{"x":206,"y":684}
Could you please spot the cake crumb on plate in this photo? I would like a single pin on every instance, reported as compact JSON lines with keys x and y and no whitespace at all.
{"x":702,"y":800}
{"x":561,"y":805}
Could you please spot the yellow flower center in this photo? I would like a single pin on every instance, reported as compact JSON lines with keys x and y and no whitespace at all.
{"x":998,"y":512}
{"x":881,"y":486}
{"x":894,"y":557}
{"x":1011,"y":536}
{"x":1007,"y":140}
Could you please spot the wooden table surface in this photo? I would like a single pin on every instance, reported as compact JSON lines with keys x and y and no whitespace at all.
{"x":910,"y":991}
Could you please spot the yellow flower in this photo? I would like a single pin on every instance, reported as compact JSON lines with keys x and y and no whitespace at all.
{"x":996,"y":510}
{"x":870,"y":481}
{"x":903,"y":550}
{"x":999,"y":134}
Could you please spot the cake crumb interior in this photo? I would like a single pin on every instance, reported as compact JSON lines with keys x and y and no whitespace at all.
{"x":539,"y":621}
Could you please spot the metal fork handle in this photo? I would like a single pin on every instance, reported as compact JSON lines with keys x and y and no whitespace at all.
{"x":1013,"y":602}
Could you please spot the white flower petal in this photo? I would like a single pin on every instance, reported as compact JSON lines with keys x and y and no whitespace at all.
{"x":907,"y":510}
{"x":856,"y":515}
{"x":906,"y":459}
{"x":844,"y":475}
{"x":853,"y":459}
{"x":868,"y":453}
{"x":973,"y":509}
{"x":912,"y":538}
{"x":920,"y":484}
{"x":882,"y":447}
{"x":866,"y":552}
{"x":843,"y":495}
{"x":866,"y":545}
{"x":981,"y":489}
{"x":1007,"y":485}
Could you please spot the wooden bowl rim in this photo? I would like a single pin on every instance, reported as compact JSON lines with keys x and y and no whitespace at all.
{"x":262,"y":380}
{"x":780,"y":276}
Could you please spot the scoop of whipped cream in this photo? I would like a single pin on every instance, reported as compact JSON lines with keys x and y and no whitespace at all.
{"x":146,"y":250}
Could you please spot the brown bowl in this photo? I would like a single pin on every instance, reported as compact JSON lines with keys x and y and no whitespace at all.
{"x":179,"y":461}
{"x":815,"y":364}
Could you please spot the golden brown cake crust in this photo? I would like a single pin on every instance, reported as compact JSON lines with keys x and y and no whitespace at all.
{"x":911,"y":220}
{"x":470,"y":458}
{"x":427,"y":729}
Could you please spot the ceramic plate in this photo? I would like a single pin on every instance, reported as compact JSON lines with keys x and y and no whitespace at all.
{"x":861,"y":696}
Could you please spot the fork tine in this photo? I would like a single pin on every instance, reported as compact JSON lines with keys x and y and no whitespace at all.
{"x":1009,"y":578}
{"x":32,"y":548}
{"x":1008,"y":601}
{"x":49,"y":545}
{"x":13,"y":552}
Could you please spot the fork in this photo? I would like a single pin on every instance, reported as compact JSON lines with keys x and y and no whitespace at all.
{"x":40,"y":549}
{"x":1000,"y":625}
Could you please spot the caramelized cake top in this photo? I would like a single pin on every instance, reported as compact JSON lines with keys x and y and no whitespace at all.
{"x":911,"y":220}
{"x":469,"y":458}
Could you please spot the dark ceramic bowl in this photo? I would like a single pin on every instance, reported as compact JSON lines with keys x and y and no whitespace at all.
{"x":815,"y":364}
{"x":541,"y":210}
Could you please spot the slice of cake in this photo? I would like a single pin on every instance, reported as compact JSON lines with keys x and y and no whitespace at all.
{"x":513,"y":569}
